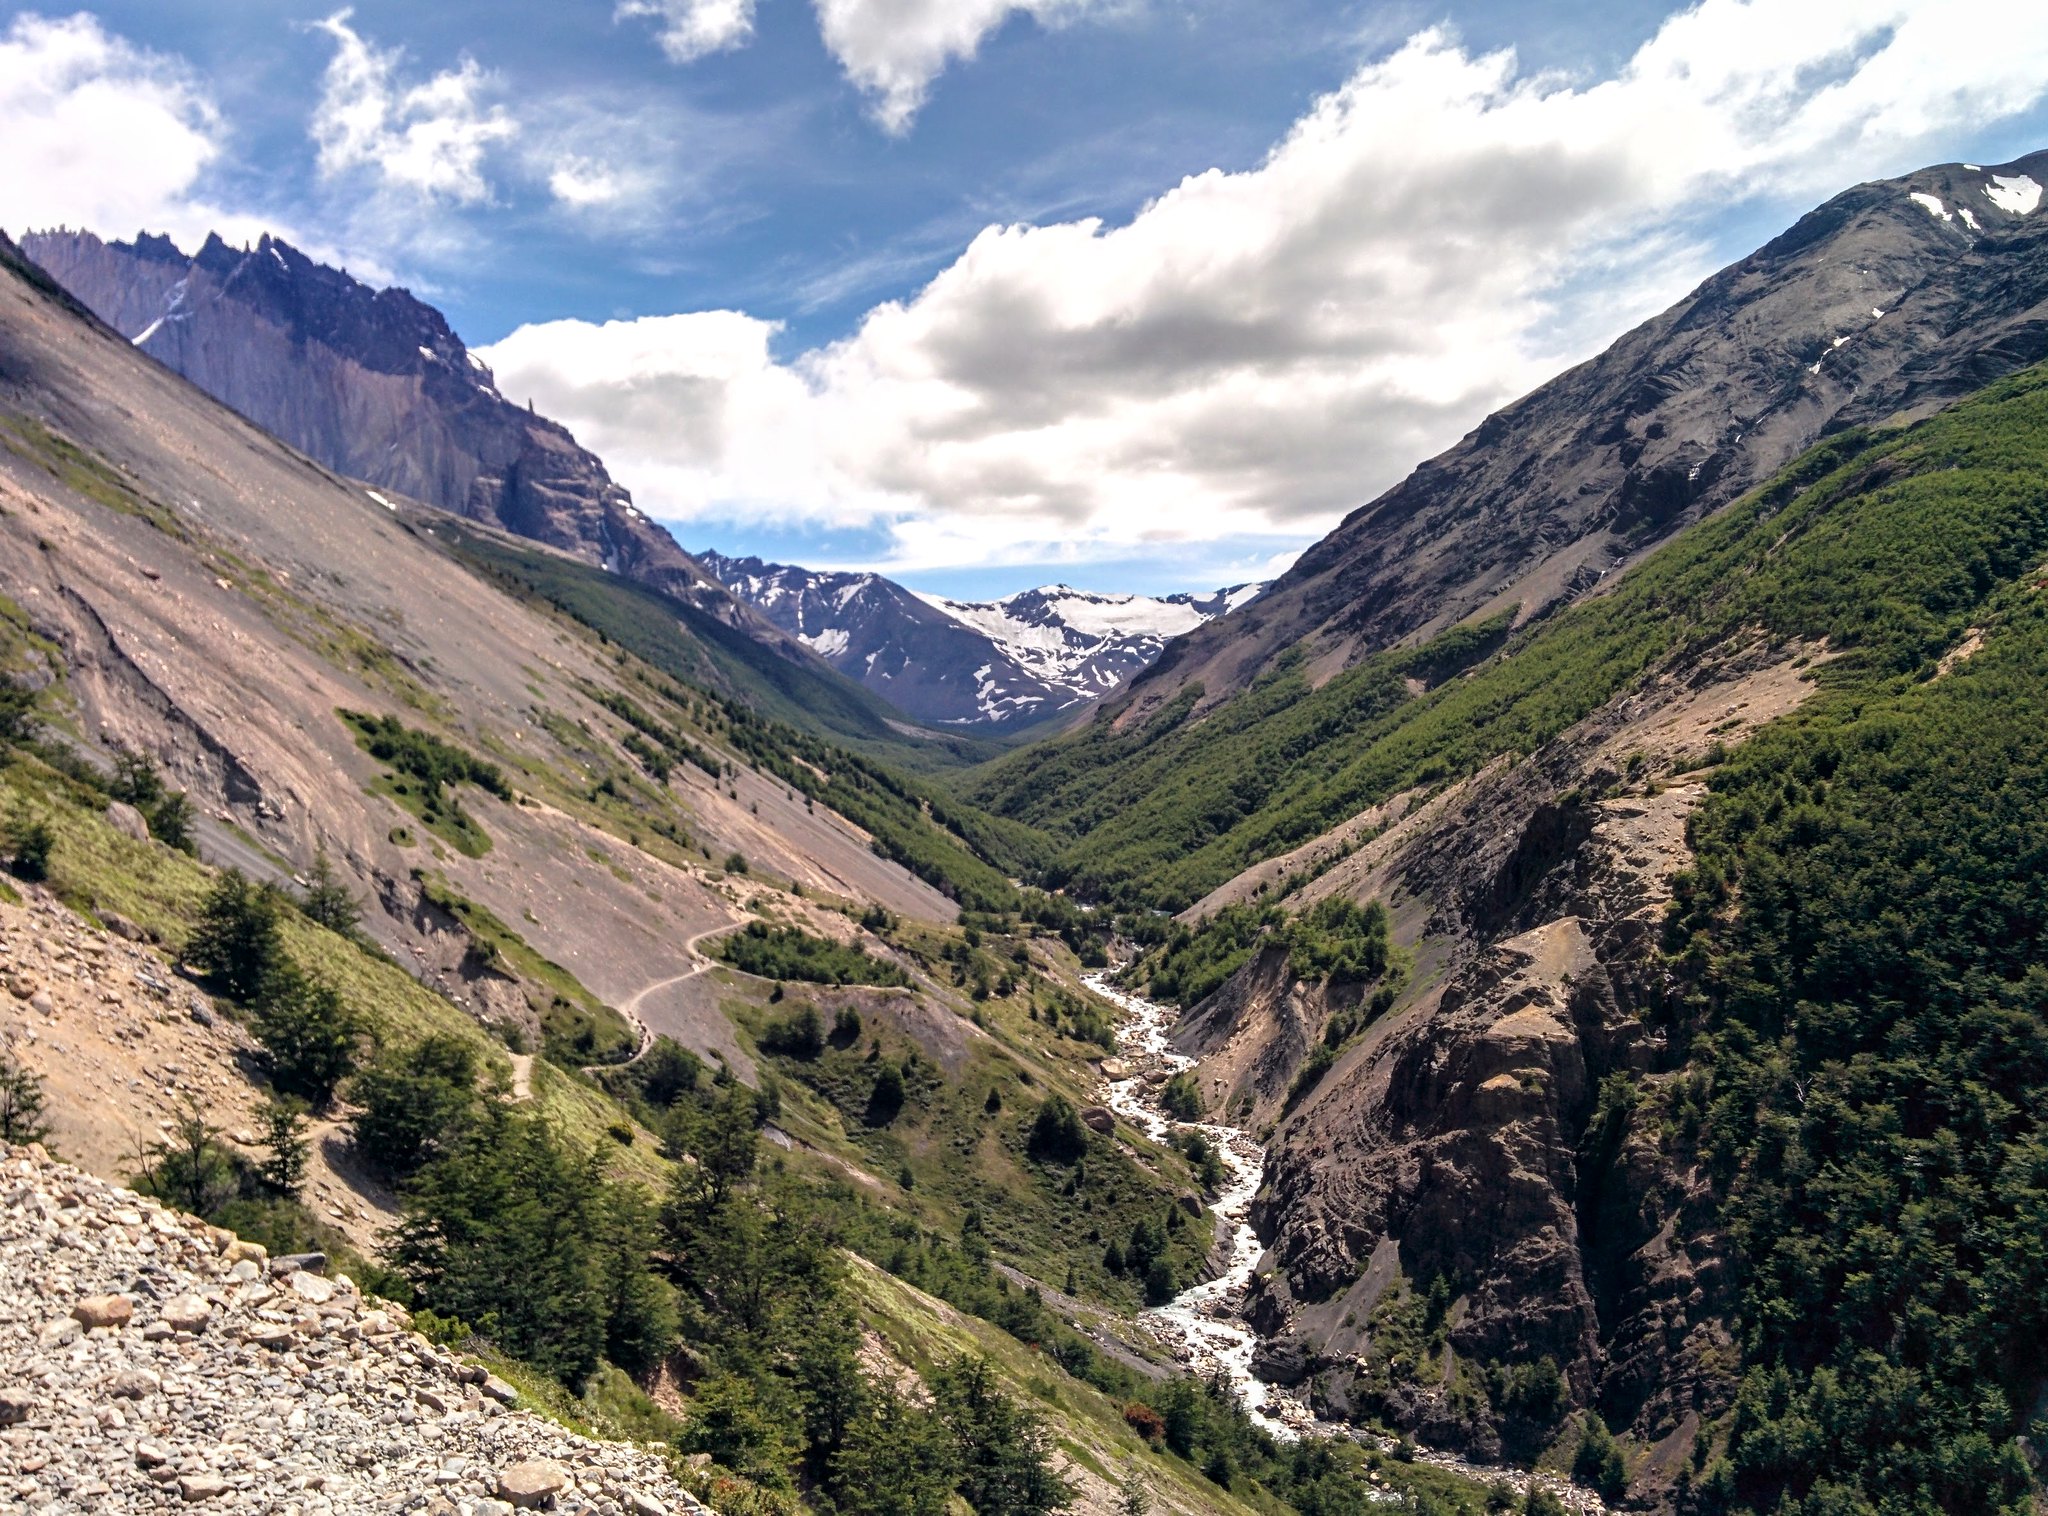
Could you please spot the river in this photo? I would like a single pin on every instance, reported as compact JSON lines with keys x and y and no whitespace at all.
{"x":1201,"y":1326}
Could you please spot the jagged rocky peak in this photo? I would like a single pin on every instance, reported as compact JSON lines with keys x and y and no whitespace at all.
{"x":373,"y":383}
{"x":1024,"y":658}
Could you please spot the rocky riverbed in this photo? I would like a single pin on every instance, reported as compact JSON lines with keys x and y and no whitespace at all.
{"x":149,"y":1362}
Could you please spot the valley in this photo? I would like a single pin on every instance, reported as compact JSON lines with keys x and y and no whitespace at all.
{"x":1540,"y":1008}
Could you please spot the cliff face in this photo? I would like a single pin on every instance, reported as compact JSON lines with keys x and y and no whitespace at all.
{"x":1474,"y":1133}
{"x":372,"y":384}
{"x":1895,"y":296}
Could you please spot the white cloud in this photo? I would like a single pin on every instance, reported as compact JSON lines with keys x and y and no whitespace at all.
{"x":893,"y":49}
{"x":429,"y":139}
{"x":1256,"y":353}
{"x":690,"y":29}
{"x":99,"y":133}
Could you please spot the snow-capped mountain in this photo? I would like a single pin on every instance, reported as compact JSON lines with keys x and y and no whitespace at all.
{"x":956,"y":662}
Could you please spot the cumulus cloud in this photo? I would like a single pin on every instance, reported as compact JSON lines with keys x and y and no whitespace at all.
{"x":690,"y":29}
{"x":428,"y":138}
{"x":98,"y":132}
{"x":893,"y":49}
{"x":1256,"y":352}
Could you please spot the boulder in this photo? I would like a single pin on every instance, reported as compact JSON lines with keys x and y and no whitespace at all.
{"x":16,"y":1406}
{"x":193,"y":1488}
{"x":1099,"y":1118}
{"x":127,"y":820}
{"x":97,"y":1311}
{"x":187,"y":1313}
{"x":294,"y":1263}
{"x":312,"y":1288}
{"x":133,"y":1384}
{"x":120,"y":926}
{"x":533,"y":1484}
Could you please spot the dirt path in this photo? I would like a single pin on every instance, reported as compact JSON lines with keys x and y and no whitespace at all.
{"x":630,"y":1006}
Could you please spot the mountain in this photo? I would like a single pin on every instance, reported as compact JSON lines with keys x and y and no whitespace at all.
{"x":997,"y":663}
{"x":374,"y":385}
{"x":557,"y":926}
{"x":1882,"y":305}
{"x":1891,"y":299}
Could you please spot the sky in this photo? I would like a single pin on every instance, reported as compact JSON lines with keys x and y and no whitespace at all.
{"x":1133,"y":294}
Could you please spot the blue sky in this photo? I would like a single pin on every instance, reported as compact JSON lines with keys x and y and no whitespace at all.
{"x":751,"y":279}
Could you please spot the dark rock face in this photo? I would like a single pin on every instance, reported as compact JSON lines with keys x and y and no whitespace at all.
{"x":1896,"y":296}
{"x":371,"y":383}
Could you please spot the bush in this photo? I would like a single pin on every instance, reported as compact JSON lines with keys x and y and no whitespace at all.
{"x":31,"y":842}
{"x":1182,"y":1097}
{"x":789,"y":953}
{"x":800,"y":1034}
{"x":1598,"y":1463}
{"x":326,"y":901}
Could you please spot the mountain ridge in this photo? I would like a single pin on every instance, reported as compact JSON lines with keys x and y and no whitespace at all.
{"x":1027,"y":658}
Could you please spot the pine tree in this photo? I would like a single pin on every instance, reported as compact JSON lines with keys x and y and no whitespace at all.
{"x":1132,"y":1499}
{"x":21,"y":1103}
{"x":308,"y":1034}
{"x":326,"y":900}
{"x":285,"y":1149}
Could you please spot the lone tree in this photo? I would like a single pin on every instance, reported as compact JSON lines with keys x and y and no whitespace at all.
{"x":285,"y":1149}
{"x":327,"y":901}
{"x":1057,"y":1132}
{"x":237,"y":942}
{"x":21,"y":1103}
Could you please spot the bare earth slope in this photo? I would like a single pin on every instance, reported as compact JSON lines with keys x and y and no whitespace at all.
{"x":213,"y":598}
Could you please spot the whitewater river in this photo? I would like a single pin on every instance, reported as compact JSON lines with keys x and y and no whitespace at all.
{"x":1202,"y":1326}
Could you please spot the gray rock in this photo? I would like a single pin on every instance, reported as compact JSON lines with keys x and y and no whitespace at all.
{"x":120,"y":926}
{"x":533,"y":1484}
{"x":16,"y":1406}
{"x":187,"y":1313}
{"x":193,"y":1488}
{"x":97,"y":1311}
{"x":133,"y":1384}
{"x":293,"y":1263}
{"x":127,"y":820}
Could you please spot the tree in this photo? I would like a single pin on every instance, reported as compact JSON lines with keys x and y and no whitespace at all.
{"x":896,"y":1460}
{"x":416,"y":1103}
{"x":641,"y":1320}
{"x":327,"y":901}
{"x":189,"y":1167}
{"x":885,"y":1100}
{"x":237,"y":941}
{"x":1159,"y":1283}
{"x":504,"y":1228}
{"x":171,"y":822}
{"x":31,"y":842}
{"x":1598,"y":1463}
{"x":1058,"y":1134}
{"x":308,"y":1034}
{"x":21,"y":1103}
{"x":285,"y":1149}
{"x":1542,"y":1502}
{"x":1004,"y":1452}
{"x":667,"y":1072}
{"x":1132,"y":1499}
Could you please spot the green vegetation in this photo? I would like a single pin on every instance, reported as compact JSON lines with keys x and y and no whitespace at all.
{"x":1335,"y":941}
{"x":423,"y":772}
{"x":168,"y":812}
{"x":792,"y":953}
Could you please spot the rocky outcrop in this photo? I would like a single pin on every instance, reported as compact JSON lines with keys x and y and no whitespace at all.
{"x":1896,"y":296}
{"x":1481,"y":1132}
{"x":149,"y":1362}
{"x":373,"y":384}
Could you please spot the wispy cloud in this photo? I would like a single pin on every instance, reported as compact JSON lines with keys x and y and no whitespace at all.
{"x":692,"y":29}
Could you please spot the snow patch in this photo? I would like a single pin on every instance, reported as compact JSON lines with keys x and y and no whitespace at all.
{"x":1969,"y":220}
{"x":430,"y":355}
{"x":829,"y":643}
{"x":1876,"y":314}
{"x":380,"y":500}
{"x":149,"y":331}
{"x":2017,"y":193}
{"x":1932,"y":205}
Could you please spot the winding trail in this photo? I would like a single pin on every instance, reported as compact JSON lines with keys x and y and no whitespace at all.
{"x":630,"y":1006}
{"x":1202,"y":1326}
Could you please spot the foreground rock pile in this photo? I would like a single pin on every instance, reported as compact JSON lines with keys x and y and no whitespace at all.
{"x":151,"y":1363}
